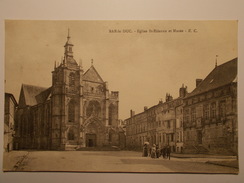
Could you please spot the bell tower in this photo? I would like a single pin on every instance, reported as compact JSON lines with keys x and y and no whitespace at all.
{"x":66,"y":102}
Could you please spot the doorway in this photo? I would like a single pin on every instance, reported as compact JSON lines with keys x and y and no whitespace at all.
{"x":91,"y":140}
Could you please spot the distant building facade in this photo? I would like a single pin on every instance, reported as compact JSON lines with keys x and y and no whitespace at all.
{"x":161,"y":124}
{"x":210,"y":112}
{"x":76,"y":111}
{"x":170,"y":120}
{"x":10,"y":105}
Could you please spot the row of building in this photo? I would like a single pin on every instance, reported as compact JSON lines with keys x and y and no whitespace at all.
{"x":202,"y":121}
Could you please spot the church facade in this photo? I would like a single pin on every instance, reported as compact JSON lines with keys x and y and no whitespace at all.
{"x":76,"y":111}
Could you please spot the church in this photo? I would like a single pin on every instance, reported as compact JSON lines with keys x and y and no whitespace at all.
{"x":77,"y":111}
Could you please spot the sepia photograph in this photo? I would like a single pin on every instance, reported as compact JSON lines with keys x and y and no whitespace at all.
{"x":131,"y":96}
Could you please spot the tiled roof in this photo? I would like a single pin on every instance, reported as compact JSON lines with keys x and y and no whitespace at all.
{"x":30,"y":92}
{"x":221,"y":75}
{"x":92,"y":75}
{"x":44,"y":95}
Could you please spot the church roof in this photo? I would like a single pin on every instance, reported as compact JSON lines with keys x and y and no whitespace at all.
{"x":92,"y":75}
{"x":220,"y":76}
{"x":32,"y":95}
{"x":44,"y":95}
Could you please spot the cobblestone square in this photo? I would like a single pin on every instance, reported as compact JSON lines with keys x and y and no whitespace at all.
{"x":111,"y":161}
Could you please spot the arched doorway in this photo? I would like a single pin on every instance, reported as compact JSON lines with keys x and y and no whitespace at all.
{"x":91,"y":140}
{"x":94,"y":132}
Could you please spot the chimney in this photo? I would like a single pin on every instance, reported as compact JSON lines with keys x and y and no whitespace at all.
{"x":183,"y":91}
{"x":168,"y":97}
{"x":198,"y":81}
{"x":132,"y":113}
{"x":145,"y":108}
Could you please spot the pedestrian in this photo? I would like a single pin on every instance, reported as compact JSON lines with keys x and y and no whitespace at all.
{"x":168,"y":152}
{"x":161,"y":152}
{"x":149,"y":151}
{"x":153,"y":152}
{"x":157,"y":151}
{"x":145,"y":151}
{"x":164,"y":152}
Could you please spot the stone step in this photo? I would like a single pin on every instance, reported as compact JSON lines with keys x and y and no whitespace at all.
{"x":70,"y":147}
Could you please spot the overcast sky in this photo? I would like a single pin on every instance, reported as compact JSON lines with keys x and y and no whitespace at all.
{"x":143,"y":67}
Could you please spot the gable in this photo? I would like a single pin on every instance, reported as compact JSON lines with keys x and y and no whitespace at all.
{"x":92,"y":75}
{"x":22,"y":102}
{"x":28,"y":95}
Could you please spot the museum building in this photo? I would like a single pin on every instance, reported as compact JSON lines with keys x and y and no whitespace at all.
{"x":210,"y":112}
{"x":76,"y":111}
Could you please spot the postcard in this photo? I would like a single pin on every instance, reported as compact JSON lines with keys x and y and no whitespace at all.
{"x":121,"y":96}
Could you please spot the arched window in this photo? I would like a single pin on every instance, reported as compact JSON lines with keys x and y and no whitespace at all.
{"x":71,"y":135}
{"x":93,"y":108}
{"x":111,"y":115}
{"x":71,"y":79}
{"x":71,"y":111}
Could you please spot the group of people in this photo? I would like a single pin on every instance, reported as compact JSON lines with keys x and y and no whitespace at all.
{"x":156,"y":152}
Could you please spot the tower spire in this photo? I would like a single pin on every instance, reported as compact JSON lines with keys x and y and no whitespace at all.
{"x":68,"y":37}
{"x":68,"y":46}
{"x":92,"y":61}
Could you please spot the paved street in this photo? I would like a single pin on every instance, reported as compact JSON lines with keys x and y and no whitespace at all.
{"x":108,"y":161}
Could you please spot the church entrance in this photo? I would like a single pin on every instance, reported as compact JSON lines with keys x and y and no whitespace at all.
{"x":91,"y":140}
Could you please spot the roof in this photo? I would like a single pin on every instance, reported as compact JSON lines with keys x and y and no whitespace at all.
{"x":10,"y":95}
{"x":220,"y":76}
{"x":32,"y":95}
{"x":92,"y":75}
{"x":44,"y":95}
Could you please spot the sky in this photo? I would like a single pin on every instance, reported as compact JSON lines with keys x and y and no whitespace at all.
{"x":143,"y":60}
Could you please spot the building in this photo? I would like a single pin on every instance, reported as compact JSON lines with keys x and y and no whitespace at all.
{"x":76,"y":111}
{"x":141,"y":128}
{"x":161,"y":124}
{"x":9,"y":113}
{"x":170,"y":122}
{"x":210,"y":112}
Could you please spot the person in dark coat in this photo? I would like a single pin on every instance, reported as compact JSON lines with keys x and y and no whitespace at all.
{"x":168,"y":152}
{"x":163,"y":152}
{"x":149,"y":151}
{"x":157,"y":151}
{"x":145,"y":151}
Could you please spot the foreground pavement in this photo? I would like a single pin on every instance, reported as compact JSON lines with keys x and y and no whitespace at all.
{"x":112,"y":161}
